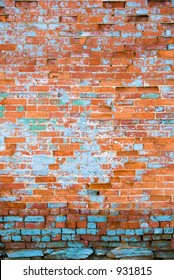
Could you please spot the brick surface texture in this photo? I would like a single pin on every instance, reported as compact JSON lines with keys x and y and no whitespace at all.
{"x":86,"y":124}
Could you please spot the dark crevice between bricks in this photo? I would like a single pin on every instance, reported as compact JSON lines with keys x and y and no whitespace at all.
{"x":106,"y":27}
{"x":26,"y":4}
{"x":112,"y":5}
{"x":154,"y":1}
{"x":142,"y":18}
{"x":159,"y":3}
{"x":68,"y":19}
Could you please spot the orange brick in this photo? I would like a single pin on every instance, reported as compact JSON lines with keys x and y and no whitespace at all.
{"x":45,"y":179}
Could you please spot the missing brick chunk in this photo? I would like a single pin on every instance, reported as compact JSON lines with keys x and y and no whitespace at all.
{"x":26,"y":4}
{"x":106,"y":27}
{"x":159,"y":3}
{"x":142,"y":18}
{"x":114,"y":4}
{"x":68,"y":19}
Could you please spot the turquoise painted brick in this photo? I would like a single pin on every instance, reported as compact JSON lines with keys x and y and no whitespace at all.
{"x":30,"y":232}
{"x":68,"y":237}
{"x":81,"y":231}
{"x":148,"y":230}
{"x":16,"y":238}
{"x":75,"y":244}
{"x":110,"y":238}
{"x":68,"y":231}
{"x":59,"y":244}
{"x":25,"y":254}
{"x":120,"y":231}
{"x":158,"y":230}
{"x":46,"y":239}
{"x":155,"y":165}
{"x":34,"y":219}
{"x":96,"y":219}
{"x":168,"y":230}
{"x":57,"y":205}
{"x":130,"y":232}
{"x":51,"y":231}
{"x":13,"y":219}
{"x":150,"y":96}
{"x":10,"y":232}
{"x":170,"y":47}
{"x":60,"y":218}
{"x":91,"y":225}
{"x":36,"y":238}
{"x":166,"y":218}
{"x":9,"y":225}
{"x":92,"y":231}
{"x":111,"y":232}
{"x":138,"y":147}
{"x":139,"y":231}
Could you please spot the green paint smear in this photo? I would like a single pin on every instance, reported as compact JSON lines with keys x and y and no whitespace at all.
{"x":20,"y":109}
{"x":37,"y":127}
{"x":2,"y":108}
{"x":150,"y":96}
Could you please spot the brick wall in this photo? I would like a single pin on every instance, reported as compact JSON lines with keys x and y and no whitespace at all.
{"x":86,"y":125}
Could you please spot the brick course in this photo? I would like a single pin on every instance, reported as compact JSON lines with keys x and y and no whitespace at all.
{"x":86,"y":124}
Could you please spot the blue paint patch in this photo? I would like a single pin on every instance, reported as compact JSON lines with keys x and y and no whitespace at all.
{"x":161,"y":218}
{"x":131,"y":34}
{"x":9,"y":232}
{"x":52,"y":232}
{"x":133,"y":4}
{"x":120,"y":231}
{"x":158,"y":230}
{"x":130,"y":232}
{"x":13,"y":219}
{"x":16,"y":238}
{"x":159,"y":109}
{"x":97,"y":219}
{"x":110,"y":238}
{"x":111,"y":232}
{"x":25,"y":254}
{"x":68,"y":231}
{"x":105,"y":61}
{"x":85,"y":83}
{"x":150,"y":96}
{"x":139,"y":231}
{"x":97,"y":49}
{"x":30,"y":232}
{"x":81,"y":231}
{"x":155,"y":165}
{"x":92,"y":231}
{"x":138,"y":147}
{"x":40,"y":164}
{"x":60,"y":218}
{"x":144,"y":225}
{"x":142,"y":12}
{"x":34,"y":219}
{"x":91,"y":226}
{"x":8,"y":198}
{"x":69,"y":237}
{"x":168,"y":230}
{"x":75,"y":244}
{"x":57,"y":205}
{"x":168,"y":33}
{"x":170,"y":47}
{"x":9,"y":225}
{"x":46,"y":239}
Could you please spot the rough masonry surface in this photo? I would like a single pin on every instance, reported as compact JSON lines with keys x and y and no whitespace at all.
{"x":86,"y":128}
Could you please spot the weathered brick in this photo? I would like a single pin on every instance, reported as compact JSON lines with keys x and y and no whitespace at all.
{"x":86,"y":125}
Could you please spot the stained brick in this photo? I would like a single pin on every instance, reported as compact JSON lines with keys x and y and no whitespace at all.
{"x":86,"y":125}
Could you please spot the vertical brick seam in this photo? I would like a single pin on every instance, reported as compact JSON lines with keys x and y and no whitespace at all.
{"x":86,"y":124}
